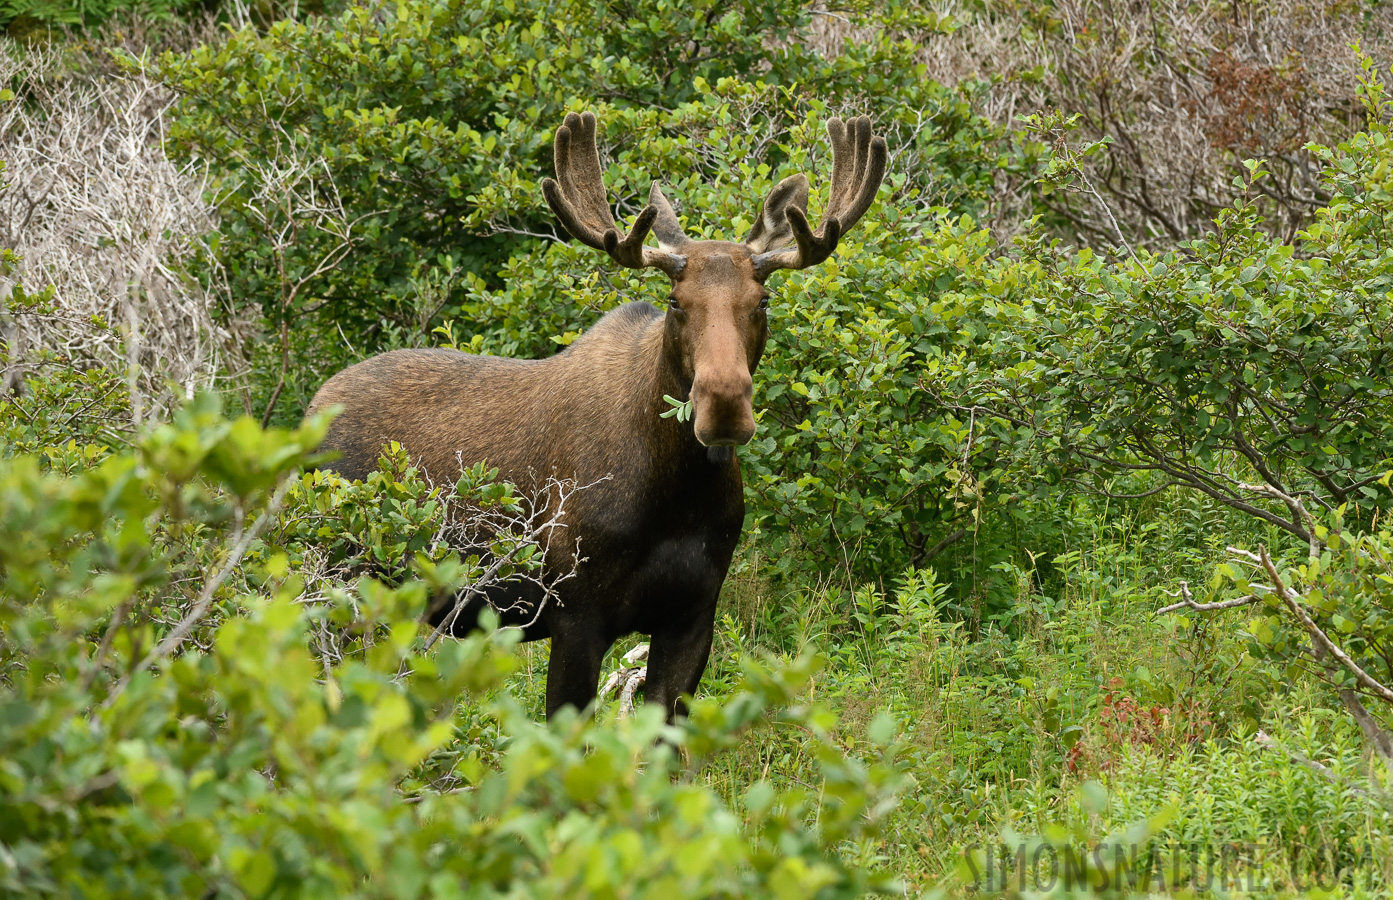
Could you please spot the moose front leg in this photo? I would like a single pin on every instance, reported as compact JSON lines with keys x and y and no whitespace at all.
{"x":676,"y":661}
{"x":573,"y":673}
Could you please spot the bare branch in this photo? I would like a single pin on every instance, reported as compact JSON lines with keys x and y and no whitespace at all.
{"x":627,"y":679}
{"x":1188,"y":602}
{"x":535,"y":524}
{"x":1319,"y":637}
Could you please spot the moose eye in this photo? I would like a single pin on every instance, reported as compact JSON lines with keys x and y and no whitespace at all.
{"x":764,"y":302}
{"x":672,"y":303}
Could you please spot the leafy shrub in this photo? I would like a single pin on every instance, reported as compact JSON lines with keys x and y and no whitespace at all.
{"x":415,"y":137}
{"x":173,"y":723}
{"x":857,"y":466}
{"x":1236,"y":366}
{"x":1326,"y":615}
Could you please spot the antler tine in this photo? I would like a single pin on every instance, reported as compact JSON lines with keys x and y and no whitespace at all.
{"x":577,"y":197}
{"x":853,"y":194}
{"x":858,"y":167}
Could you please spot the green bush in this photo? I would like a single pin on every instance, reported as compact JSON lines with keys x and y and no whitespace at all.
{"x":1235,"y":360}
{"x":182,"y":713}
{"x":377,"y":171}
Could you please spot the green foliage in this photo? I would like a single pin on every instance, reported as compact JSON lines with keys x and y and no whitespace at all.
{"x":682,"y":409}
{"x":392,"y":517}
{"x":1238,"y":816}
{"x":27,"y":15}
{"x":1002,"y":730}
{"x":34,"y":18}
{"x":1234,"y":359}
{"x":416,"y":137}
{"x":857,"y":464}
{"x":1205,"y":819}
{"x":174,"y":723}
{"x":1231,"y":793}
{"x":61,"y":402}
{"x":1328,"y":614}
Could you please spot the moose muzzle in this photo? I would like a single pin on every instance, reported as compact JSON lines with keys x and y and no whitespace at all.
{"x":723,"y":408}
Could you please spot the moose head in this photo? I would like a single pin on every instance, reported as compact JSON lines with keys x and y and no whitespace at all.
{"x":716,"y":323}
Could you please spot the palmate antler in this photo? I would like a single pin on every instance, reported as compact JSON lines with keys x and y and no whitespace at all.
{"x":578,"y":199}
{"x":781,"y":237}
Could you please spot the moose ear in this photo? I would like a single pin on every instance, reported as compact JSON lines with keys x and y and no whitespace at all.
{"x":772,"y":230}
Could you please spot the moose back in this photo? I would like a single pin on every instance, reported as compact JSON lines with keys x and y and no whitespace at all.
{"x":662,"y":510}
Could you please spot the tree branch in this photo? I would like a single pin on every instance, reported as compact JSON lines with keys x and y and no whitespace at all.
{"x":1188,"y":602}
{"x":1319,"y":637}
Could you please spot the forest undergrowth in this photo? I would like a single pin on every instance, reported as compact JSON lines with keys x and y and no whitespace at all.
{"x":1065,"y":569}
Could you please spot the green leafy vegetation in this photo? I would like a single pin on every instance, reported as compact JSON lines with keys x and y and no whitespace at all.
{"x":29,"y":15}
{"x":180,"y":717}
{"x":1066,"y":548}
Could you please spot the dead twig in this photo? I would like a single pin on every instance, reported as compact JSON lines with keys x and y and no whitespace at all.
{"x":180,"y":632}
{"x":627,"y":679}
{"x":1188,"y":601}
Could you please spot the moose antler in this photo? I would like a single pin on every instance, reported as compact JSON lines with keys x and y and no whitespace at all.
{"x":577,"y":196}
{"x":781,"y":237}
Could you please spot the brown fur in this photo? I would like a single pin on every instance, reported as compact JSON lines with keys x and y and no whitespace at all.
{"x":659,"y":522}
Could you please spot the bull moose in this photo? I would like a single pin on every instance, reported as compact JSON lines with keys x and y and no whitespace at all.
{"x":662,"y":516}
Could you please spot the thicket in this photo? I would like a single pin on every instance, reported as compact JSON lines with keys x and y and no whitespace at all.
{"x":402,"y":190}
{"x":99,"y":217}
{"x":1174,"y":96}
{"x":187,"y":711}
{"x":1059,"y":378}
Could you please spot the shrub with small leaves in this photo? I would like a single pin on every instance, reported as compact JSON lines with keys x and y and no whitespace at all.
{"x":173,"y":721}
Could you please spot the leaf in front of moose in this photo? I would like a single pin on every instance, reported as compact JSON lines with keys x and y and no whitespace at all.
{"x":682,"y":409}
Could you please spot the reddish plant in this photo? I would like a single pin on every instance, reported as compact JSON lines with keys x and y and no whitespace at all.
{"x":1253,"y":108}
{"x":1126,"y":721}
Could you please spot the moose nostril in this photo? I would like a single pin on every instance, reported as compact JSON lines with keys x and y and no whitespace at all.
{"x":723,"y":413}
